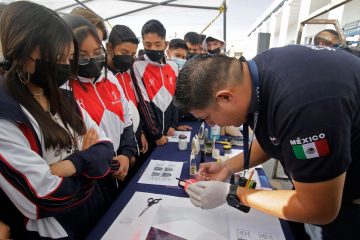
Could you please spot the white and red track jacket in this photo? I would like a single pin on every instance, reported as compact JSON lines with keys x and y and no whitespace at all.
{"x":127,"y":85}
{"x":106,"y":103}
{"x":25,"y":175}
{"x":155,"y":83}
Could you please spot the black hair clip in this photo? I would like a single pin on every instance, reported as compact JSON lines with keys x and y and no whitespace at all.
{"x":6,"y":64}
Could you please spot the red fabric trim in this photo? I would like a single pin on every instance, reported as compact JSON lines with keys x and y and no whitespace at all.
{"x":29,"y":136}
{"x":69,"y":206}
{"x":10,"y":183}
{"x":106,"y":173}
{"x":32,"y":189}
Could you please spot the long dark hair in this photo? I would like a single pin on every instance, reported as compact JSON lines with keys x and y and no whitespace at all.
{"x":24,"y":26}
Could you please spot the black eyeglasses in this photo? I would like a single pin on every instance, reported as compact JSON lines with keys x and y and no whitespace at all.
{"x":98,"y":58}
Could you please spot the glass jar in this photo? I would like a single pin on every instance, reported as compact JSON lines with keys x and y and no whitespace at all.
{"x":227,"y":149}
{"x":182,"y":142}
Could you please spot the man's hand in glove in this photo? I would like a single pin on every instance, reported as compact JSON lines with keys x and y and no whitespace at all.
{"x":208,"y":194}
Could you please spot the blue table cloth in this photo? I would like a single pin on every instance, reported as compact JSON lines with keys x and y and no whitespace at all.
{"x":168,"y":152}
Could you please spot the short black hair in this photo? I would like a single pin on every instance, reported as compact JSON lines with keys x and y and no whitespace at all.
{"x":178,"y":43}
{"x":211,"y":39}
{"x":122,"y":33}
{"x":332,"y":31}
{"x":81,"y":28}
{"x":193,"y":38}
{"x":141,"y":53}
{"x":198,"y":80}
{"x":202,"y":36}
{"x":320,"y":36}
{"x":153,"y":26}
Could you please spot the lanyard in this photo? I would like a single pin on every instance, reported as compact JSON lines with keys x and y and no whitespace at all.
{"x":247,"y":150}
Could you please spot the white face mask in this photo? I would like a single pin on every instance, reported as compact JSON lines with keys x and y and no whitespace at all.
{"x":179,"y":62}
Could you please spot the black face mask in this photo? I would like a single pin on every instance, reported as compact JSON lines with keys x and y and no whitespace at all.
{"x":191,"y":55}
{"x":214,"y":51}
{"x":92,"y":69}
{"x":39,"y":77}
{"x":155,"y":55}
{"x":123,"y":62}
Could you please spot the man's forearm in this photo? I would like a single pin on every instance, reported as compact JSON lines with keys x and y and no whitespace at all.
{"x":315,"y":203}
{"x":283,"y":204}
{"x":275,"y":203}
{"x":257,"y":156}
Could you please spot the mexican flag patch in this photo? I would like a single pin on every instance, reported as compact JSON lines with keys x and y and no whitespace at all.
{"x":310,"y":147}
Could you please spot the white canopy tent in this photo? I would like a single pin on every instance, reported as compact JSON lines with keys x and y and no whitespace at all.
{"x":178,"y":16}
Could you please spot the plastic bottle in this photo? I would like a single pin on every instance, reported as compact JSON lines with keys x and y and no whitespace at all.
{"x":201,"y":134}
{"x":215,"y":132}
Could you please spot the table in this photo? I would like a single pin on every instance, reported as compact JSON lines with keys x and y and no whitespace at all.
{"x":168,"y":152}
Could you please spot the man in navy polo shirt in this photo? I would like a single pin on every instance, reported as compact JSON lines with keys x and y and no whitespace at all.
{"x":303,"y":103}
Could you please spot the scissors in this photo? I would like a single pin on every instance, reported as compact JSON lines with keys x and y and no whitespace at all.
{"x":151,"y":201}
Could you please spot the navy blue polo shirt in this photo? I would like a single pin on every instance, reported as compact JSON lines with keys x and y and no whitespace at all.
{"x":309,"y":115}
{"x":309,"y":112}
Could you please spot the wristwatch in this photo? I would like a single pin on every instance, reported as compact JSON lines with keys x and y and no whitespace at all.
{"x":231,"y":198}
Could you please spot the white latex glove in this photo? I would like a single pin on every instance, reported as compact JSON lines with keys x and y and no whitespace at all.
{"x":208,"y":194}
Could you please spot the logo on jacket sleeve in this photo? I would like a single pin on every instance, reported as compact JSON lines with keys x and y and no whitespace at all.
{"x":171,"y":81}
{"x":309,"y":147}
{"x":152,"y":81}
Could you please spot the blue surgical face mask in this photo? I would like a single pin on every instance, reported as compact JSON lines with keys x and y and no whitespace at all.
{"x":179,"y":62}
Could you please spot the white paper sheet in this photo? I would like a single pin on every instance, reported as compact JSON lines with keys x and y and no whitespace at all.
{"x":160,"y":172}
{"x":173,"y":215}
{"x":178,"y":218}
{"x":234,"y":152}
{"x":254,"y":225}
{"x":128,"y":225}
{"x":175,"y":138}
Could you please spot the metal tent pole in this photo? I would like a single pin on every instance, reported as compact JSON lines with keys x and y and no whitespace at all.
{"x":140,"y":9}
{"x":224,"y":24}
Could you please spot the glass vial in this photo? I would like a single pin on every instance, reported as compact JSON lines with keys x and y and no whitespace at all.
{"x":182,"y":142}
{"x":192,"y":166}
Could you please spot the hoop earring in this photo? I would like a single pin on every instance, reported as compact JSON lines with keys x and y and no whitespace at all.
{"x":21,"y":77}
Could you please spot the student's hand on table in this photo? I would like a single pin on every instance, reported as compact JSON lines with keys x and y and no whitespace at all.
{"x":161,"y":141}
{"x":208,"y":194}
{"x":212,"y":171}
{"x":183,"y":128}
{"x":4,"y":231}
{"x":170,"y":132}
{"x":124,"y":167}
{"x":63,"y":168}
{"x":144,"y":143}
{"x":90,"y":138}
